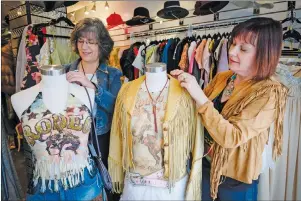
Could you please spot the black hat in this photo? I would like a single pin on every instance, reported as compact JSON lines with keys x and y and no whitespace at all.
{"x":141,"y":16}
{"x":172,"y":10}
{"x":208,"y":7}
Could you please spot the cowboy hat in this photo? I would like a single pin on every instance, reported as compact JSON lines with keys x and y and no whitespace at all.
{"x":254,"y":4}
{"x":208,"y":7}
{"x":141,"y":16}
{"x":172,"y":10}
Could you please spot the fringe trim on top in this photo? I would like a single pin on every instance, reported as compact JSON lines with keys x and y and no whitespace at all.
{"x":70,"y":174}
{"x":118,"y":156}
{"x":194,"y":185}
{"x":181,"y":133}
{"x":278,"y":140}
{"x":221,"y":155}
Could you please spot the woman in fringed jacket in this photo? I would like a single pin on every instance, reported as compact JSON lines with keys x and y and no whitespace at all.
{"x":237,"y":108}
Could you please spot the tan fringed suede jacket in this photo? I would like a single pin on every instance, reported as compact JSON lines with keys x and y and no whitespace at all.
{"x":180,"y":126}
{"x":241,"y":130}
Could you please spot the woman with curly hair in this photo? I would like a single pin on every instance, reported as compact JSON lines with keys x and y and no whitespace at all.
{"x":92,"y":42}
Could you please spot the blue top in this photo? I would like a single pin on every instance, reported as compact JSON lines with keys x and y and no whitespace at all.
{"x":108,"y":86}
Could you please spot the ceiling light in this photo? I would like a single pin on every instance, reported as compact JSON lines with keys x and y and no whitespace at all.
{"x":86,"y":12}
{"x":94,"y":7}
{"x":107,"y":6}
{"x":19,"y":12}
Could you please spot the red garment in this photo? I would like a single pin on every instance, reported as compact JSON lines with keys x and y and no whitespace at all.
{"x":136,"y":70}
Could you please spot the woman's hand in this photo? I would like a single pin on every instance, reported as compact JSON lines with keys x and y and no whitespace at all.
{"x":191,"y":85}
{"x":80,"y":78}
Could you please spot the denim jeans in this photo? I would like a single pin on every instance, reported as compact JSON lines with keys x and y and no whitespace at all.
{"x":230,"y":189}
{"x":88,"y":190}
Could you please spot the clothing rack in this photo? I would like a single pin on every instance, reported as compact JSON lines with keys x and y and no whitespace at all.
{"x":30,"y":13}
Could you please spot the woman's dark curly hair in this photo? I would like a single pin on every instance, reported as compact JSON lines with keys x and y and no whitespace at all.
{"x":95,"y":26}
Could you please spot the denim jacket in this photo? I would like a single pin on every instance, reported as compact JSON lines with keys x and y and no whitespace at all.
{"x":108,"y":85}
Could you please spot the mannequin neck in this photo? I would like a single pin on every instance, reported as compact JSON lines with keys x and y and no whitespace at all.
{"x":155,"y":81}
{"x":55,"y":92}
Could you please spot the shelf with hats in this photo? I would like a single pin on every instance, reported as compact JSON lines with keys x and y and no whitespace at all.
{"x":201,"y":25}
{"x":202,"y":12}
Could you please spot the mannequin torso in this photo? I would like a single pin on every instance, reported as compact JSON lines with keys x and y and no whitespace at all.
{"x":55,"y":90}
{"x":56,"y":123}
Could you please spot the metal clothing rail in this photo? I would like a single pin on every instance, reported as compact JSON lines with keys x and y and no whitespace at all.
{"x":195,"y":26}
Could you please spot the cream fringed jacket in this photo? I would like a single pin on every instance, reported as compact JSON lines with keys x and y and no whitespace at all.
{"x":182,"y":134}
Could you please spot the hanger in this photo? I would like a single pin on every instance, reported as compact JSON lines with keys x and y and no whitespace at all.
{"x":224,"y":35}
{"x":52,"y":22}
{"x":291,"y":18}
{"x":292,"y":34}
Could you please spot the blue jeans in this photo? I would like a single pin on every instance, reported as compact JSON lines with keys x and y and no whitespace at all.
{"x":90,"y":189}
{"x":230,"y":189}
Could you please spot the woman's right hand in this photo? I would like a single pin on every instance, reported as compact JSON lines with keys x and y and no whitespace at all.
{"x":191,"y":85}
{"x":79,"y":77}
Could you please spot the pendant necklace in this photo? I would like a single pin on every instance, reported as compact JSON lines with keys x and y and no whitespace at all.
{"x":229,"y":89}
{"x":154,"y":104}
{"x":85,"y":72}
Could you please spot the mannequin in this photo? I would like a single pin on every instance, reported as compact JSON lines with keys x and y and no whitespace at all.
{"x":153,"y":131}
{"x":155,"y":76}
{"x":56,"y":121}
{"x":53,"y":85}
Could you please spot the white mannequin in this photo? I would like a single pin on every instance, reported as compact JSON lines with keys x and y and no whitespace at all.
{"x":155,"y":76}
{"x":55,"y":89}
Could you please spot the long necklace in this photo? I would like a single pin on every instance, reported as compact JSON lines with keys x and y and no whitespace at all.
{"x":154,"y":104}
{"x":85,"y":72}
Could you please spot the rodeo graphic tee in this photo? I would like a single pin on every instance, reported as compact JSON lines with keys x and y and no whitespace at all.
{"x":58,"y":142}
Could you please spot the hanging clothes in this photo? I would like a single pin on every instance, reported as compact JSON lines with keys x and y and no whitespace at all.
{"x":161,"y":49}
{"x":21,"y":59}
{"x":191,"y":50}
{"x":150,"y":54}
{"x":154,"y":57}
{"x":199,"y":53}
{"x":113,"y":59}
{"x":223,"y":64}
{"x":211,"y":59}
{"x":183,"y":64}
{"x":282,"y":181}
{"x":177,"y":54}
{"x":206,"y":63}
{"x":10,"y":184}
{"x":165,"y":51}
{"x":191,"y":57}
{"x":32,"y":48}
{"x":170,"y":62}
{"x":8,"y":84}
{"x":139,"y":62}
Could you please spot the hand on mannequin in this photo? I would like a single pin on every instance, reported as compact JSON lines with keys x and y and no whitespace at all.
{"x":81,"y":78}
{"x":191,"y":85}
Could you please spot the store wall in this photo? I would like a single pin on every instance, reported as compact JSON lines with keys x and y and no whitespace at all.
{"x":126,"y":9}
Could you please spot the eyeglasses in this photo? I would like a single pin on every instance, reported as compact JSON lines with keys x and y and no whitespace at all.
{"x":88,"y":42}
